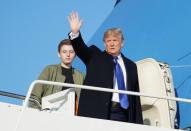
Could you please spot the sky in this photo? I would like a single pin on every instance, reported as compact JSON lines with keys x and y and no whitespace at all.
{"x":31,"y":30}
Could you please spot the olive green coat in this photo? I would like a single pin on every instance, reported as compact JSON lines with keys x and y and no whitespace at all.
{"x":52,"y":73}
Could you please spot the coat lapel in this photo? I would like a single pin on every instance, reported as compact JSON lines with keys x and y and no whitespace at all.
{"x":59,"y":77}
{"x":75,"y":77}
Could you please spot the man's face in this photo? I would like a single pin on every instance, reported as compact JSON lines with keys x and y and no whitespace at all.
{"x":113,"y":45}
{"x":67,"y":54}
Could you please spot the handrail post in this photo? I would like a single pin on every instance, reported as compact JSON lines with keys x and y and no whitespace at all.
{"x":25,"y":103}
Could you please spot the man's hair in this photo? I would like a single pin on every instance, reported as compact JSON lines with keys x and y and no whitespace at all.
{"x":113,"y":32}
{"x":64,"y":42}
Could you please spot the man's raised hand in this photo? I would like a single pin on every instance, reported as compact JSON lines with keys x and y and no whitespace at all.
{"x":75,"y":22}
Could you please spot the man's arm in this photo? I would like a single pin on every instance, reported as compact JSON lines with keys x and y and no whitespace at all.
{"x":79,"y":46}
{"x":38,"y":90}
{"x":139,"y":115}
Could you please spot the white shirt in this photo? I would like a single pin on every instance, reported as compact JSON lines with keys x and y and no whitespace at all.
{"x":115,"y":96}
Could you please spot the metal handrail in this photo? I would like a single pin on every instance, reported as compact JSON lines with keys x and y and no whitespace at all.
{"x":17,"y":96}
{"x":12,"y":95}
{"x":90,"y":88}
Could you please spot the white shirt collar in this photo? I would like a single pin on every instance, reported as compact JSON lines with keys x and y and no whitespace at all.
{"x":119,"y":57}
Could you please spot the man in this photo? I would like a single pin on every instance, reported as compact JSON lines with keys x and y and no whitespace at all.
{"x":60,"y":73}
{"x":108,"y":69}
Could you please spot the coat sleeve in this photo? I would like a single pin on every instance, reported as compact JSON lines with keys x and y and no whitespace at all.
{"x":138,"y":115}
{"x":81,"y":49}
{"x":39,"y":90}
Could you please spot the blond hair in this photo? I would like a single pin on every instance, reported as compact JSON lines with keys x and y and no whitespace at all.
{"x":113,"y":32}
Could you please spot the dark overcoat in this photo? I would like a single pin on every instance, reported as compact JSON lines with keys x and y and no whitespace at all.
{"x":100,"y":73}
